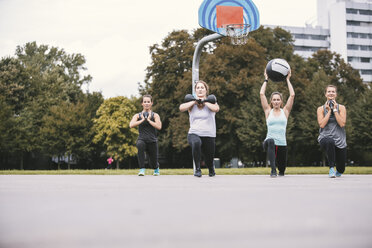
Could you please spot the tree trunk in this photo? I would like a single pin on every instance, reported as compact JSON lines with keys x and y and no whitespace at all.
{"x":117,"y":164}
{"x":21,"y":162}
{"x":68,"y":162}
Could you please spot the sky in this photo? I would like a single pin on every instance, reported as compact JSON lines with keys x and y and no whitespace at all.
{"x":115,"y":35}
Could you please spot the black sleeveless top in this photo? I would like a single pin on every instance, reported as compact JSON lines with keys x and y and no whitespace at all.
{"x":147,"y":132}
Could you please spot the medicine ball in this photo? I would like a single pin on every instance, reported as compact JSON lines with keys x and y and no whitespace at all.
{"x":277,"y":69}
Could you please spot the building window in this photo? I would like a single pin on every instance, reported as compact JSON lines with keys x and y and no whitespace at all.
{"x":365,"y":12}
{"x":301,"y":36}
{"x":359,"y":11}
{"x":363,"y":36}
{"x":366,"y":72}
{"x":364,"y":48}
{"x":365,"y":60}
{"x":351,"y":11}
{"x":359,"y":35}
{"x":318,"y":37}
{"x":352,"y":47}
{"x":352,"y":23}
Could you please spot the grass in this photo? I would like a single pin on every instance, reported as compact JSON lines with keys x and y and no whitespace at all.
{"x":222,"y":171}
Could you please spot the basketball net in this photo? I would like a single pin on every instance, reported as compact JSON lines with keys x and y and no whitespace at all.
{"x":238,"y":33}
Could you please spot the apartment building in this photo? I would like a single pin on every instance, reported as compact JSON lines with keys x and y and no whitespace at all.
{"x":345,"y":27}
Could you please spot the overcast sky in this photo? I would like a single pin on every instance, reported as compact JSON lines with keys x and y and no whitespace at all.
{"x":115,"y":35}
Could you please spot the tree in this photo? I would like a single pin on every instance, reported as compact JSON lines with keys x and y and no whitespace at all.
{"x":6,"y":124}
{"x":307,"y":130}
{"x":67,"y":128}
{"x":360,"y":136}
{"x":36,"y":79}
{"x":111,"y":128}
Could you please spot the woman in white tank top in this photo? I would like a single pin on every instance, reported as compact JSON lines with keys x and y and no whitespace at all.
{"x":276,"y":120}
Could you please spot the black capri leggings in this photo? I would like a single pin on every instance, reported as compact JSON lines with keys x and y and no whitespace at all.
{"x":335,"y":156}
{"x":277,"y":155}
{"x":199,"y":146}
{"x":152,"y":150}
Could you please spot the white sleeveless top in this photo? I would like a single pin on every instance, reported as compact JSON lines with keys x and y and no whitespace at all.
{"x":276,"y":128}
{"x":202,"y":122}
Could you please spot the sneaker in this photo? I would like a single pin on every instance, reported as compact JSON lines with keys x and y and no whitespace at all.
{"x":273,"y":173}
{"x":212,"y":172}
{"x":141,"y":172}
{"x":281,"y":174}
{"x":156,"y":172}
{"x":332,"y":173}
{"x":338,"y":174}
{"x":198,"y":173}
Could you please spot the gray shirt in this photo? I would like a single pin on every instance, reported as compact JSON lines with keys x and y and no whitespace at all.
{"x":333,"y":130}
{"x":202,"y":122}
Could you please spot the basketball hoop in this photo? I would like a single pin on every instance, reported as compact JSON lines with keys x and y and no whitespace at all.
{"x":238,"y":33}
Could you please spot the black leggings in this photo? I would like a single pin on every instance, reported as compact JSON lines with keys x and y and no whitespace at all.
{"x":199,"y":146}
{"x":335,"y":156}
{"x":277,"y":155}
{"x":152,"y":150}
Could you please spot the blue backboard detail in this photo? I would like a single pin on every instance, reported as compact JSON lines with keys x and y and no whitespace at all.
{"x":208,"y":14}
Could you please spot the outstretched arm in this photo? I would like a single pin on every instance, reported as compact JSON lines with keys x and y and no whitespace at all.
{"x":288,"y":106}
{"x":266,"y":107}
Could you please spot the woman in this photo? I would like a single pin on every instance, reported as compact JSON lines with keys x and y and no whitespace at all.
{"x":276,"y":120}
{"x":202,"y":132}
{"x":147,"y":141}
{"x":332,"y":135}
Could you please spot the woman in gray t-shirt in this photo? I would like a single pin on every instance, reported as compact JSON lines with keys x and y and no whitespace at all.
{"x":202,"y":132}
{"x":332,"y":135}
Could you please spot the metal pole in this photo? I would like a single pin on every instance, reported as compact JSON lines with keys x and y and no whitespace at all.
{"x":196,"y":60}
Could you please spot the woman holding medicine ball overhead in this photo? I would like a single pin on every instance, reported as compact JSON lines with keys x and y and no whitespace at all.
{"x":275,"y":143}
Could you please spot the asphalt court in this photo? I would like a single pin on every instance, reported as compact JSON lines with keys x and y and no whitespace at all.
{"x":184,"y":211}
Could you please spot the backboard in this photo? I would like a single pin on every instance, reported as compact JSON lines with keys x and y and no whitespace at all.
{"x":216,"y":15}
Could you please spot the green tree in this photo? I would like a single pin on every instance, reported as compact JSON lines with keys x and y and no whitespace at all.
{"x":36,"y":79}
{"x":306,"y":119}
{"x":360,"y":136}
{"x":112,"y":128}
{"x":67,"y":128}
{"x":6,"y":124}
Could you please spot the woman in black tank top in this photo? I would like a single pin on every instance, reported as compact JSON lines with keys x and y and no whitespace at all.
{"x":148,"y":123}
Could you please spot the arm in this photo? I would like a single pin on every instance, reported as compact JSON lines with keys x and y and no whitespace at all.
{"x":323,"y":120}
{"x":213,"y":107}
{"x":135,"y":122}
{"x":157,"y":123}
{"x":266,"y":107}
{"x":289,"y":104}
{"x":187,"y":106}
{"x":340,"y":114}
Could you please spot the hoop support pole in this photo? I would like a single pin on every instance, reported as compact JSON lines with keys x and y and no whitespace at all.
{"x":196,"y":58}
